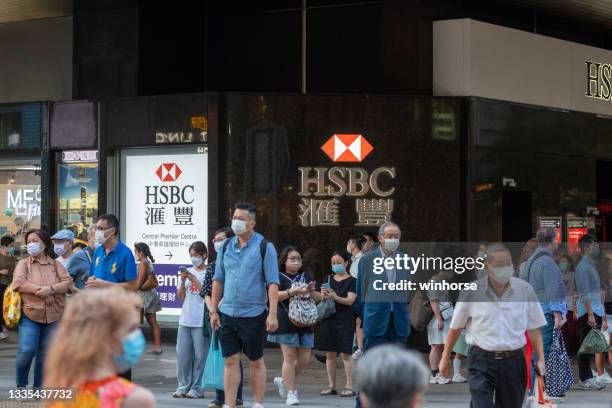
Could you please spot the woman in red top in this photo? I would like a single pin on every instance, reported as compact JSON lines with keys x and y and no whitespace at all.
{"x":99,"y":336}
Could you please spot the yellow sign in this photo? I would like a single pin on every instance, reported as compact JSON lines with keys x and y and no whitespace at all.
{"x":200,"y":122}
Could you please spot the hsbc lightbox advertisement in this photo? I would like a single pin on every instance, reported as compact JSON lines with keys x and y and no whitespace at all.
{"x":164,"y":204}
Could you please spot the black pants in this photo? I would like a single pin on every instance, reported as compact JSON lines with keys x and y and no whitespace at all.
{"x":2,"y":289}
{"x":584,"y":360}
{"x":497,"y":383}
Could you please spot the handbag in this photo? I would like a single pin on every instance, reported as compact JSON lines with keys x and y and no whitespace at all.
{"x":302,"y":310}
{"x":11,"y":310}
{"x":594,"y":342}
{"x":539,"y":399}
{"x":420,"y":311}
{"x":559,"y":374}
{"x":151,"y":282}
{"x":213,"y":370}
{"x":326,"y":308}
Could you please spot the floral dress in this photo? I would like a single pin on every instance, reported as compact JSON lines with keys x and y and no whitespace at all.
{"x":109,"y":392}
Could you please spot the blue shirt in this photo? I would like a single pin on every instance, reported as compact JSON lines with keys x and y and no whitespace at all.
{"x":588,"y":286}
{"x":118,"y":266}
{"x":79,"y":266}
{"x":245,"y":284}
{"x":547,"y":281}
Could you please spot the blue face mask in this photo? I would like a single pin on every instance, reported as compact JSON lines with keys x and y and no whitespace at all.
{"x":133,"y":348}
{"x":595,"y":252}
{"x":11,"y":251}
{"x":338,"y":268}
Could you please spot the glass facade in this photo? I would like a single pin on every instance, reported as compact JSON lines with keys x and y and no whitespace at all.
{"x":20,"y":127}
{"x":77,"y":191}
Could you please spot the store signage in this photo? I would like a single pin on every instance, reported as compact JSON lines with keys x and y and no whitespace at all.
{"x":25,"y":202}
{"x":321,"y":188}
{"x":76,"y":156}
{"x":552,"y":222}
{"x":167,"y":209}
{"x":599,"y":80}
{"x":199,"y":134}
{"x":576,"y":228}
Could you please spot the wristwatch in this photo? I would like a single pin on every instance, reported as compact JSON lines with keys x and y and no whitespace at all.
{"x":52,"y":290}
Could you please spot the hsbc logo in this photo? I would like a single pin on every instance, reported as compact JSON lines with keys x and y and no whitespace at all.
{"x":168,"y":172}
{"x":347,"y":148}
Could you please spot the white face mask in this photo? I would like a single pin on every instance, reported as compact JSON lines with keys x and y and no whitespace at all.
{"x":59,"y":249}
{"x":101,"y":237}
{"x":239,"y":227}
{"x":196,"y":261}
{"x":219,"y":245}
{"x":34,"y":248}
{"x":503,"y":274}
{"x":391,"y":244}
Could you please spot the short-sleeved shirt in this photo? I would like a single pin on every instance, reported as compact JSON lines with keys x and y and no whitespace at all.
{"x":8,"y":263}
{"x":588,"y":285}
{"x":192,"y":313}
{"x":498,"y":323}
{"x":245,"y":283}
{"x":440,"y":296}
{"x":284,"y":324}
{"x":118,"y":266}
{"x":342,"y":289}
{"x":79,"y":266}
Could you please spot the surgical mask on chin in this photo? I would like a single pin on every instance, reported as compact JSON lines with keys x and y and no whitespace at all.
{"x":239,"y":227}
{"x":59,"y":249}
{"x":338,"y":268}
{"x":196,"y":261}
{"x":101,"y":237}
{"x":503,"y":274}
{"x":219,"y":245}
{"x":133,"y":345}
{"x":391,"y":244}
{"x":34,"y":248}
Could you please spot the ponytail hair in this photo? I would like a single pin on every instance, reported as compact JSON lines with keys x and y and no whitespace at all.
{"x":144,"y":248}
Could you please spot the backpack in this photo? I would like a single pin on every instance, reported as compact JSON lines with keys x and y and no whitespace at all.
{"x":11,"y":311}
{"x":302,"y":311}
{"x":420,"y":311}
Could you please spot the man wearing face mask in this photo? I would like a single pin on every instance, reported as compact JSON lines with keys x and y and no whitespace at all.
{"x":7,"y":267}
{"x":590,"y":310}
{"x":545,"y":277}
{"x":79,"y":264}
{"x":62,"y":245}
{"x":247,"y":277}
{"x":495,"y":318}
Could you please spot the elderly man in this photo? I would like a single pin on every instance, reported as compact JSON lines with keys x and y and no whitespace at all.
{"x":495,"y":318}
{"x":62,"y":245}
{"x":390,"y":377}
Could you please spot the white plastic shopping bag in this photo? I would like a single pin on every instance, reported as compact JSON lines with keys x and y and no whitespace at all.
{"x":539,"y":398}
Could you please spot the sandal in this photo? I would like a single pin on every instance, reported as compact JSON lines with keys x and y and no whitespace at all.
{"x":329,"y":391}
{"x":347,"y":392}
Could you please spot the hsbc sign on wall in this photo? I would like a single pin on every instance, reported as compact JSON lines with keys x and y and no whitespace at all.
{"x":321,"y":188}
{"x":164,"y":205}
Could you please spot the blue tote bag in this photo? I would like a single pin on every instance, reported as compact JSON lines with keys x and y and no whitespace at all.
{"x":213,"y":370}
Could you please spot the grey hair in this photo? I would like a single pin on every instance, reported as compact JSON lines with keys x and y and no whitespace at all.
{"x":391,"y":377}
{"x":381,"y":229}
{"x":494,"y":248}
{"x":546,"y":235}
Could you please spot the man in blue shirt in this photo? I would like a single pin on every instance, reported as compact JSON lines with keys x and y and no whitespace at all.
{"x":113,"y":263}
{"x":590,"y":309}
{"x":246,"y":282}
{"x":544,"y":275}
{"x":79,"y":264}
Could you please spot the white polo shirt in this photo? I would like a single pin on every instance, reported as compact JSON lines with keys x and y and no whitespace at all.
{"x":496,"y":323}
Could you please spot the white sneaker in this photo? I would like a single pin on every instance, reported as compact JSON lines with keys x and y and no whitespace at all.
{"x":292,"y":398}
{"x":443,"y":380}
{"x":282,"y":389}
{"x":590,"y":384}
{"x":433,"y":380}
{"x":604,"y":378}
{"x":458,"y":378}
{"x":3,"y":335}
{"x":257,"y":405}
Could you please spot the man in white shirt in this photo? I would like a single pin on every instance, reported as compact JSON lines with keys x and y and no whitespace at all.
{"x":62,"y":245}
{"x":495,"y":318}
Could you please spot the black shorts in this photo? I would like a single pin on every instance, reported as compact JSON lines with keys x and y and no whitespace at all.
{"x":243,"y":334}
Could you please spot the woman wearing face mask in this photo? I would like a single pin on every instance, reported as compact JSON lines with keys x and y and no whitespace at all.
{"x":295,"y":342}
{"x":219,"y":239}
{"x":191,"y":345}
{"x":336,"y":332}
{"x":105,"y":339}
{"x":43,"y":284}
{"x":150,"y":298}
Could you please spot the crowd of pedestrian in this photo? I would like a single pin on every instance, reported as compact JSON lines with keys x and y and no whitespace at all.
{"x":515,"y":330}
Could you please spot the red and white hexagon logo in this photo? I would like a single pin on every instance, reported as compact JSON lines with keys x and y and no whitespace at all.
{"x":168,"y":172}
{"x":347,"y":148}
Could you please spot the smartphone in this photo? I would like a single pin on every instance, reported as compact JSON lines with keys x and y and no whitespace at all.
{"x":183,"y":269}
{"x":325,"y":285}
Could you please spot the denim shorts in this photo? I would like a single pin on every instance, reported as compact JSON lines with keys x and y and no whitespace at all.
{"x":305,"y":340}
